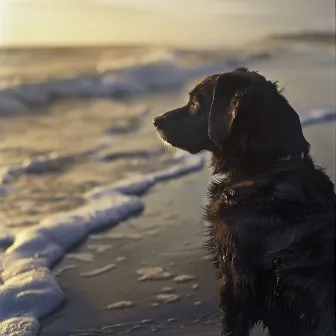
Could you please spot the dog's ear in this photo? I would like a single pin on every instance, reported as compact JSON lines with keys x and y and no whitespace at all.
{"x":271,"y":128}
{"x":223,"y":107}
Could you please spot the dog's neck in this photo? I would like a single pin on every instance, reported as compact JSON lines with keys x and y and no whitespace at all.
{"x":233,"y":167}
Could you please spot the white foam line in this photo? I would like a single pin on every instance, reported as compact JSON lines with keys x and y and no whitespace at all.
{"x":7,"y":174}
{"x":42,"y":164}
{"x":141,"y":183}
{"x":28,"y":289}
{"x":133,"y":185}
{"x":63,"y":269}
{"x":97,"y":271}
{"x":318,"y":116}
{"x":6,"y":239}
{"x":156,"y":74}
{"x":127,"y":81}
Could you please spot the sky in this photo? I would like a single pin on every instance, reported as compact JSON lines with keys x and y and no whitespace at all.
{"x":187,"y":22}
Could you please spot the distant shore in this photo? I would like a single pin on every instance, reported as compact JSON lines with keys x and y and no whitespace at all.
{"x":325,"y":37}
{"x":314,"y":36}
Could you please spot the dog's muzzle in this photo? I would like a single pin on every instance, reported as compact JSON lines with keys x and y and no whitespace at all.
{"x":158,"y":123}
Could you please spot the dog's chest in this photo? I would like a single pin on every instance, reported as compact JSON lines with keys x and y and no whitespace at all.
{"x":228,"y":213}
{"x":220,"y":215}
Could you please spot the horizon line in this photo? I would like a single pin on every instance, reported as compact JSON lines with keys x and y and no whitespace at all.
{"x":289,"y":34}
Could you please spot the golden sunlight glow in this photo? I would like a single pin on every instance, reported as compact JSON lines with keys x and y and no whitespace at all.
{"x":186,"y":22}
{"x":96,"y":22}
{"x":2,"y":14}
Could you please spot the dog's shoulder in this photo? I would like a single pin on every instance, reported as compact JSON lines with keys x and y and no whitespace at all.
{"x":261,"y":217}
{"x":289,"y":194}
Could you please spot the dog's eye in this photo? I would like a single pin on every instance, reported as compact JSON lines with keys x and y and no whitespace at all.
{"x":194,"y":104}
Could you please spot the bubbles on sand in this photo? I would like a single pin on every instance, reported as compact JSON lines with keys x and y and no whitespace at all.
{"x":121,"y":305}
{"x":167,"y":290}
{"x":97,"y":271}
{"x":172,"y":325}
{"x":183,"y":278}
{"x":99,"y":248}
{"x":146,"y":321}
{"x":117,"y":236}
{"x":85,"y":256}
{"x":167,"y":298}
{"x":61,"y":270}
{"x":153,"y":273}
{"x":19,"y":326}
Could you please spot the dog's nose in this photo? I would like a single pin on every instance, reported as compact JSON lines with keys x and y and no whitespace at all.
{"x":156,"y":122}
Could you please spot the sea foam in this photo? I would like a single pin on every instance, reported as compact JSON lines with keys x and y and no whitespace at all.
{"x":28,"y":289}
{"x":319,"y":116}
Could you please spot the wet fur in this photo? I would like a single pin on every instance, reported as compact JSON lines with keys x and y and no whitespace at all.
{"x":271,"y":210}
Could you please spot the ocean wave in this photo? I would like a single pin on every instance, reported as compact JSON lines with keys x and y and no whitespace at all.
{"x":166,"y":70}
{"x":317,"y":36}
{"x":28,"y":289}
{"x":141,"y":183}
{"x":319,"y":116}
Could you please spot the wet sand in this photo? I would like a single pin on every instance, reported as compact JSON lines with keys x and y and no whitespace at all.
{"x":164,"y":236}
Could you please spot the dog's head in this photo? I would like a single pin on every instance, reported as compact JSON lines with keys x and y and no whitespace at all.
{"x":236,"y":113}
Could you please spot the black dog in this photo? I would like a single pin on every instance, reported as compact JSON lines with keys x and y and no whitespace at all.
{"x":272,"y":211}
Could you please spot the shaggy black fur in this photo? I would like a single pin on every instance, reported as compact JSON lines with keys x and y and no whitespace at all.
{"x":271,"y":210}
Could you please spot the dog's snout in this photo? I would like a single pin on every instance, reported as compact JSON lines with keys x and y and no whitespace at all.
{"x":157,"y":122}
